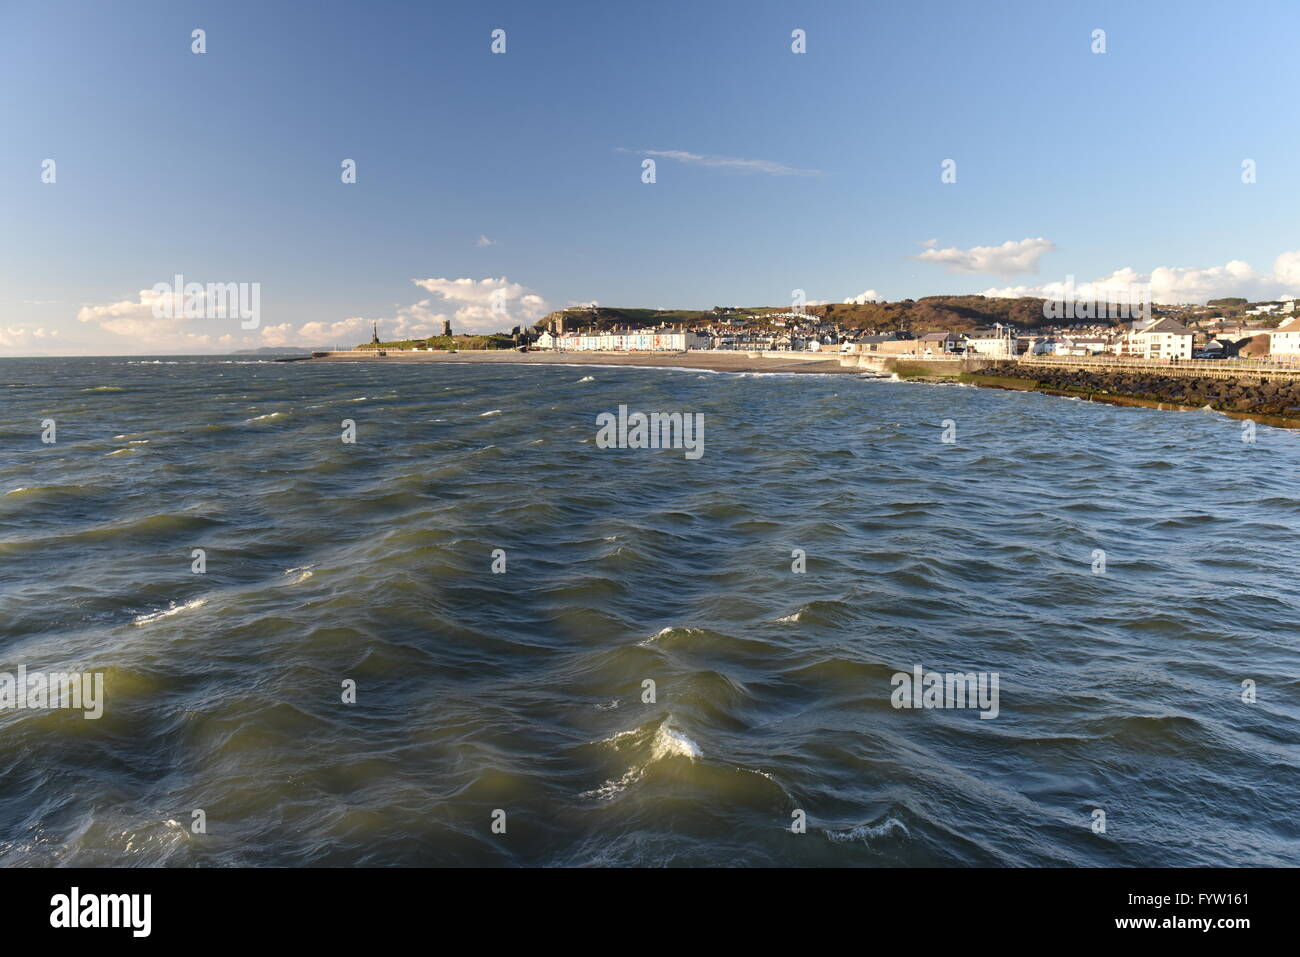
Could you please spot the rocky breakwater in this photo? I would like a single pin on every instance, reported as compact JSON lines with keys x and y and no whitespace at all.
{"x":1256,"y":395}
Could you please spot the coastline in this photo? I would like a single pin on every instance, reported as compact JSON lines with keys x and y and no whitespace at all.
{"x":806,"y":364}
{"x":704,"y":361}
{"x":1132,"y":402}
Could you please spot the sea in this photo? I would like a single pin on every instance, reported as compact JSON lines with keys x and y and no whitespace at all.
{"x":368,"y":614}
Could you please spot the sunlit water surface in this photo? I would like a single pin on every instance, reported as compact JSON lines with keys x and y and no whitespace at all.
{"x":525,"y":691}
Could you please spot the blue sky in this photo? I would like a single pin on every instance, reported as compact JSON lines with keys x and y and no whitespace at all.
{"x":520,"y":174}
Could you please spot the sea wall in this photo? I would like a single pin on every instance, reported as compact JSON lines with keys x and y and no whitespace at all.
{"x":912,"y":366}
{"x":1251,"y":394}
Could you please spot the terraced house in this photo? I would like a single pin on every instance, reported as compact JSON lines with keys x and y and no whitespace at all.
{"x":1158,"y":339}
{"x":1285,"y":339}
{"x":663,"y":339}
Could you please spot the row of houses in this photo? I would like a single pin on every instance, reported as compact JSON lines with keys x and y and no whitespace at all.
{"x":662,"y":339}
{"x":1169,"y":339}
{"x":1161,"y":338}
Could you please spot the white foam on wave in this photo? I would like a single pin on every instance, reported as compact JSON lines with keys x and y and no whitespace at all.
{"x":306,"y":573}
{"x":173,"y":609}
{"x":666,"y":743}
{"x":587,"y":378}
{"x":119,"y":452}
{"x":867,"y":832}
{"x":669,"y":743}
{"x":269,"y":417}
{"x":657,"y":635}
{"x":484,"y":415}
{"x":612,"y":789}
{"x":662,"y":632}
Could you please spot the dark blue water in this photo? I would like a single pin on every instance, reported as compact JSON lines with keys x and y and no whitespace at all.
{"x":524,"y":692}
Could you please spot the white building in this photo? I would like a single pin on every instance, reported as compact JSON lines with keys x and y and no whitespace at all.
{"x":1285,"y":339}
{"x":994,"y":347}
{"x":1161,"y":339}
{"x":1080,"y":346}
{"x":632,"y":340}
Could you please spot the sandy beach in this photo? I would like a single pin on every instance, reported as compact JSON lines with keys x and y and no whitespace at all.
{"x":713,"y":361}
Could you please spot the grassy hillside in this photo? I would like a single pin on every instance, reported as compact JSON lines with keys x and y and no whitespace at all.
{"x":607,"y":317}
{"x":929,"y":314}
{"x":936,"y":313}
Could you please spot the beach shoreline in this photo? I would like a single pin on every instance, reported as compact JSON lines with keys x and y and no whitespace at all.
{"x":704,"y":361}
{"x":794,"y":364}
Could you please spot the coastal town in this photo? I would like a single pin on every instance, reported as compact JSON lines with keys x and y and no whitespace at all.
{"x":1228,"y":329}
{"x":1230,"y":355}
{"x":934,"y":328}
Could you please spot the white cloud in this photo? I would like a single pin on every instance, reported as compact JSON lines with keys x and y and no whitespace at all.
{"x":1286,"y":268}
{"x":471,"y":305}
{"x":1009,"y":259}
{"x":134,"y":319}
{"x":732,"y":163}
{"x":485,"y":305}
{"x":928,"y":242}
{"x":863,"y":297}
{"x":417,"y":321}
{"x":484,"y":241}
{"x":21,"y":337}
{"x":1179,"y":284}
{"x":474,"y":306}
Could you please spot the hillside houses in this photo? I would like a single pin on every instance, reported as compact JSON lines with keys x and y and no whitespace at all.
{"x":1224,"y":329}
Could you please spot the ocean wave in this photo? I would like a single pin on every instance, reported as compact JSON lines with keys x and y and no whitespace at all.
{"x":660,"y":744}
{"x":172,"y":609}
{"x":63,"y":492}
{"x":524,"y":690}
{"x":867,"y":832}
